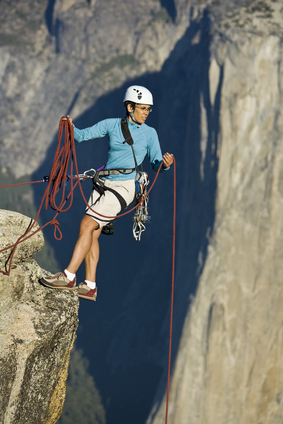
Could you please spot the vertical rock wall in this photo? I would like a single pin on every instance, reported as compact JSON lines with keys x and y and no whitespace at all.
{"x":37,"y":331}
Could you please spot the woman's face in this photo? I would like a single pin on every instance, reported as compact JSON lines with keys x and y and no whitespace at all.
{"x":141,"y":112}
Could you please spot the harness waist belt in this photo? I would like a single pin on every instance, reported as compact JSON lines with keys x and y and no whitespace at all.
{"x":115,"y":171}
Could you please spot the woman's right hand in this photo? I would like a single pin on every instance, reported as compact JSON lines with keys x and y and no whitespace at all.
{"x":69,"y":118}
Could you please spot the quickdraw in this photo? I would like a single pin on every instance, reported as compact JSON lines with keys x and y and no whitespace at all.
{"x":81,"y":177}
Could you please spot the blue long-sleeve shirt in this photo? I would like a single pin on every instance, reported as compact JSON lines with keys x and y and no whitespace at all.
{"x":120,"y":154}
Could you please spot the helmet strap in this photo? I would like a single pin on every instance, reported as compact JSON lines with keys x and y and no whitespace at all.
{"x":131,"y":114}
{"x":133,"y":118}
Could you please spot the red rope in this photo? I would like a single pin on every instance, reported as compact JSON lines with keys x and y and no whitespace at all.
{"x":172,"y":293}
{"x":59,"y":167}
{"x":17,"y":184}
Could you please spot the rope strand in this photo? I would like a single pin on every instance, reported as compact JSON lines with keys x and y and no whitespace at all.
{"x":172,"y":294}
{"x":17,"y":184}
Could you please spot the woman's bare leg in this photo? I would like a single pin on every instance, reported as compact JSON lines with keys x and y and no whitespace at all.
{"x":92,"y":257}
{"x":87,"y":228}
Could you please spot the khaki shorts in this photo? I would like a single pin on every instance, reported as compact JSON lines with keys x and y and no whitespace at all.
{"x":107,"y":204}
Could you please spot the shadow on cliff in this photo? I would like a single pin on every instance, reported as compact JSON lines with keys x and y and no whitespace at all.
{"x":191,"y":127}
{"x":125,"y":333}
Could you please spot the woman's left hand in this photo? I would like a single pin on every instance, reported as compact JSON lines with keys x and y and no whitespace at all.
{"x":168,"y":159}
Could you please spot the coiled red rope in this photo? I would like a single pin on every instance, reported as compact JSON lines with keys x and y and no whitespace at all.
{"x":57,"y":179}
{"x":65,"y":159}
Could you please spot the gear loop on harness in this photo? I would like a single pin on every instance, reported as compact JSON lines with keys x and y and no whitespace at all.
{"x":85,"y":174}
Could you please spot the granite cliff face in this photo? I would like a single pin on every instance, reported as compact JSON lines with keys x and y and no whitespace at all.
{"x":37,"y":331}
{"x":216,"y":71}
{"x":59,"y":57}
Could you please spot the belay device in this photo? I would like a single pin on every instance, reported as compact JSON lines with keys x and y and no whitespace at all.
{"x":141,"y":216}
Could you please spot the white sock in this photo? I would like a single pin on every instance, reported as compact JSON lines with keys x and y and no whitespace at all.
{"x":70,"y":276}
{"x":90,"y":284}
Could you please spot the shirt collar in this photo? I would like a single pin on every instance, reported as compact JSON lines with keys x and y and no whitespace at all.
{"x":133,"y":124}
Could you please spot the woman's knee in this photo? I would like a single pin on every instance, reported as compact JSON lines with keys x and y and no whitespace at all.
{"x":88,"y":224}
{"x":96,"y":233}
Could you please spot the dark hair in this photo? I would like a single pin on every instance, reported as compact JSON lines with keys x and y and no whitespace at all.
{"x":129,"y":103}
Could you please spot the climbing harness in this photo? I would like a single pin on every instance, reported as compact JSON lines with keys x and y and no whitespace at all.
{"x":101,"y":188}
{"x":56,"y":181}
{"x":141,"y":216}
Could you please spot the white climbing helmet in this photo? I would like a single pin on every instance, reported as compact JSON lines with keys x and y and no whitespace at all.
{"x":138,"y":94}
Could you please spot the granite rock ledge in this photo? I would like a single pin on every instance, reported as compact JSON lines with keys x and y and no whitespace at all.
{"x":37,"y":331}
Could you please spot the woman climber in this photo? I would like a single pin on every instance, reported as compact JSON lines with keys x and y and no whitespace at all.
{"x":115,"y":188}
